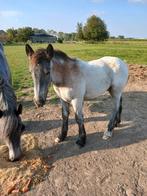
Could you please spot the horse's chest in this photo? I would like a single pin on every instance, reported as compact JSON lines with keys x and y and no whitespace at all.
{"x":64,"y":93}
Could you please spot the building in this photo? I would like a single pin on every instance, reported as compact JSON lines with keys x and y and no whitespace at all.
{"x":43,"y":38}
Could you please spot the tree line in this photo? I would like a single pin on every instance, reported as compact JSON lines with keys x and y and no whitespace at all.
{"x":94,"y":29}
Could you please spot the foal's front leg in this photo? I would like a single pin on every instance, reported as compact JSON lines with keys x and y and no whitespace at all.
{"x":77,"y":106}
{"x":65,"y":115}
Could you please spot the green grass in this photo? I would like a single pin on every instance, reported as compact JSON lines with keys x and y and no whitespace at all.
{"x":134,"y":52}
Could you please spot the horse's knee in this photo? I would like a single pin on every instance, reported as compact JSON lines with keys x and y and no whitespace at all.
{"x":65,"y":109}
{"x":79,"y":118}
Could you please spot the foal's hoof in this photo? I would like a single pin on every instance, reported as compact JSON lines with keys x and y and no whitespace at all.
{"x":107,"y":135}
{"x":81,"y":142}
{"x":57,"y":140}
{"x":60,"y":138}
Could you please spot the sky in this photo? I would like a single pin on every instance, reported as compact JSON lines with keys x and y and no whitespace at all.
{"x":122,"y":17}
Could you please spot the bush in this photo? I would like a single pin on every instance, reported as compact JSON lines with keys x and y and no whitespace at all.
{"x":59,"y":40}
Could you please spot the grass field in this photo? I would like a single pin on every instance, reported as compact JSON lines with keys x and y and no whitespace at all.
{"x":133,"y":52}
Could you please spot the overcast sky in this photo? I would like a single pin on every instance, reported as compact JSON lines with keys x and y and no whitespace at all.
{"x":122,"y":17}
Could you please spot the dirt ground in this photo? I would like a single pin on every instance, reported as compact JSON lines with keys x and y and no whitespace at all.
{"x":117,"y":167}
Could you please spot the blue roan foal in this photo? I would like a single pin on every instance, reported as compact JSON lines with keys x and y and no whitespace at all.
{"x":74,"y":81}
{"x":11,"y":126}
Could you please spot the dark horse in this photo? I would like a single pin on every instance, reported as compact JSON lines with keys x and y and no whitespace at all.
{"x":11,"y":126}
{"x":74,"y":81}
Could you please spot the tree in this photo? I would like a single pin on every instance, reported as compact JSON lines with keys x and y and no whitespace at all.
{"x":3,"y":36}
{"x":60,"y":35}
{"x":36,"y":30}
{"x":73,"y":37}
{"x":121,"y":37}
{"x":52,"y":32}
{"x":67,"y":36}
{"x":23,"y":34}
{"x":79,"y":35}
{"x":11,"y":33}
{"x":95,"y":29}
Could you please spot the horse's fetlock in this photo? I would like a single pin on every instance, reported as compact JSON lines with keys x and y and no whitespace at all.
{"x":62,"y":136}
{"x":107,"y":135}
{"x":81,"y":141}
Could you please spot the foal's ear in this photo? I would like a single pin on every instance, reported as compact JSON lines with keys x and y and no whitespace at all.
{"x":19,"y":109}
{"x":50,"y":50}
{"x":29,"y":50}
{"x":1,"y":113}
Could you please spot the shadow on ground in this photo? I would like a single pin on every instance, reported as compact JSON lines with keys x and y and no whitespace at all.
{"x":132,"y":130}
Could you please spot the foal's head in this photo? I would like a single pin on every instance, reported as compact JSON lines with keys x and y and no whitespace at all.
{"x":39,"y":64}
{"x":11,"y":126}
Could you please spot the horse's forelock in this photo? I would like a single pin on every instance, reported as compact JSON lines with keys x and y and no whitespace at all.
{"x":39,"y":55}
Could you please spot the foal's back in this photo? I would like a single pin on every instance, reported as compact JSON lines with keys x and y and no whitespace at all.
{"x":4,"y":67}
{"x":115,"y":68}
{"x":103,"y":73}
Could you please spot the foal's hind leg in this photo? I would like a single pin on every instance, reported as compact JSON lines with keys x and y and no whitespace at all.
{"x":118,"y":119}
{"x":116,"y":114}
{"x":77,"y":106}
{"x":65,"y":115}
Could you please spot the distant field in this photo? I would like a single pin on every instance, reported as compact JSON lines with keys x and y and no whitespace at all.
{"x":133,"y":52}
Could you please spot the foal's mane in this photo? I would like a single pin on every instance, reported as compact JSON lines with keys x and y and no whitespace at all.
{"x":7,"y":98}
{"x":41,"y":54}
{"x":58,"y":54}
{"x":7,"y":95}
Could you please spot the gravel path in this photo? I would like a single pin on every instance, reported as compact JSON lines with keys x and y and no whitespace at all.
{"x":117,"y":167}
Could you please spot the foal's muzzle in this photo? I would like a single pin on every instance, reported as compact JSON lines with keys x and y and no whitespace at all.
{"x":15,"y":155}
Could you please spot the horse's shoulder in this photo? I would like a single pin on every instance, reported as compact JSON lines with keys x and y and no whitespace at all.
{"x":65,"y":66}
{"x":64,"y":71}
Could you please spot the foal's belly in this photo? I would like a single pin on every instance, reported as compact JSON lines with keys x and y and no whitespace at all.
{"x":93,"y":90}
{"x":94,"y":94}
